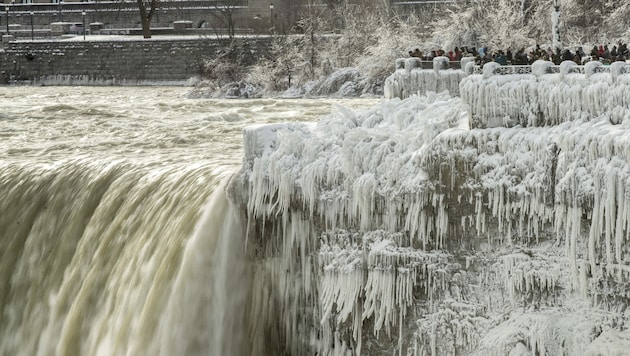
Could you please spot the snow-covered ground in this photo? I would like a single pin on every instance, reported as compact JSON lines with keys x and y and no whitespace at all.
{"x":401,"y":230}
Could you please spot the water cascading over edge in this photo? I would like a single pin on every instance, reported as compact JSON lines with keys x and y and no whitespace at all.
{"x":104,"y":257}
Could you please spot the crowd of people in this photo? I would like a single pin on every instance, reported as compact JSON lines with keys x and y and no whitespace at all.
{"x":604,"y":53}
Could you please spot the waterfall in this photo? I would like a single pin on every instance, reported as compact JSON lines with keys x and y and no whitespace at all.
{"x":117,"y":236}
{"x":205,"y":314}
{"x":105,"y":257}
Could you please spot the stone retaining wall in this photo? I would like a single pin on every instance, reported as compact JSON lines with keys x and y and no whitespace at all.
{"x":111,"y":62}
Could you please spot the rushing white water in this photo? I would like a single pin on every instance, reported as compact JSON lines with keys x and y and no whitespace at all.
{"x":116,"y":236}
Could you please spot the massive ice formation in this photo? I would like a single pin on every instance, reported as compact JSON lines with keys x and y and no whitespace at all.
{"x":548,"y":95}
{"x":537,"y":95}
{"x":400,"y":230}
{"x":415,"y":77}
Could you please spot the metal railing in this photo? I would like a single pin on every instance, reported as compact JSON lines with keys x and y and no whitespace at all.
{"x":553,"y":69}
{"x":505,"y":70}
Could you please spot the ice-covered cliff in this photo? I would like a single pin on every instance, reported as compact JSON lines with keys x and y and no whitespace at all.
{"x":400,"y":230}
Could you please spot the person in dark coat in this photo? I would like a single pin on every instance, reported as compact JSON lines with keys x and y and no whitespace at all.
{"x":622,"y":50}
{"x":580,"y":53}
{"x":557,"y":57}
{"x":500,"y":58}
{"x":567,"y":55}
{"x":520,"y":58}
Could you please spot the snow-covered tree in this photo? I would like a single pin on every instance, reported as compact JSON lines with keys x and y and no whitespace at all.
{"x":495,"y":24}
{"x":617,"y":21}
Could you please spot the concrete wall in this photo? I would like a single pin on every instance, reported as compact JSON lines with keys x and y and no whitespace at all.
{"x":111,"y":62}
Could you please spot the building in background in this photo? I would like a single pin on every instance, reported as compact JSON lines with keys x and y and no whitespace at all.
{"x":246,"y":16}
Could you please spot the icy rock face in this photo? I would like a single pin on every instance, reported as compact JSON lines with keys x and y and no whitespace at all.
{"x":548,"y":95}
{"x":413,"y":77}
{"x":398,"y":230}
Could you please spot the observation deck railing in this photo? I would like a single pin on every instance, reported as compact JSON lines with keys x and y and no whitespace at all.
{"x":543,"y":67}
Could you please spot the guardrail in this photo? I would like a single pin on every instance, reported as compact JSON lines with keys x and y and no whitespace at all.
{"x":546,"y":67}
{"x":492,"y":68}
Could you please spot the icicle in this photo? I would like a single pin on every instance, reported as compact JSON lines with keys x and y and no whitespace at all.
{"x":595,"y":232}
{"x":610,"y":213}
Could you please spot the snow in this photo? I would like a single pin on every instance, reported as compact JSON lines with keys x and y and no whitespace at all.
{"x":412,"y":233}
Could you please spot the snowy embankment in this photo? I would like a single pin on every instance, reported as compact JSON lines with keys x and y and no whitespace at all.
{"x":398,"y":230}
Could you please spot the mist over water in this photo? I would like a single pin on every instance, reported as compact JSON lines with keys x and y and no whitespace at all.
{"x":114,"y":225}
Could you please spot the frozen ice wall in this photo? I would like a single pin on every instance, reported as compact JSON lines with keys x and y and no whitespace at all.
{"x":399,"y":230}
{"x":548,"y":94}
{"x":416,"y":77}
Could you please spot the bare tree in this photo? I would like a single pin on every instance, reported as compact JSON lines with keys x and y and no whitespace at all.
{"x":147,"y":10}
{"x":224,"y":14}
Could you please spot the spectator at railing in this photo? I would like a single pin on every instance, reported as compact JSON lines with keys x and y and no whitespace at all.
{"x":508,"y":55}
{"x":528,"y":56}
{"x":486,"y":58}
{"x":606,"y":54}
{"x":458,"y":54}
{"x":538,"y":52}
{"x":452,"y":56}
{"x":622,"y":49}
{"x":600,"y":51}
{"x":415,"y":53}
{"x":567,"y":55}
{"x":500,"y":58}
{"x":557,"y":57}
{"x":579,"y":52}
{"x":520,"y":58}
